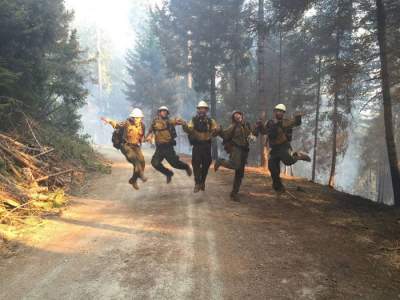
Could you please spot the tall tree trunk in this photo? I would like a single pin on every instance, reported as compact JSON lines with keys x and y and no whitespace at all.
{"x":189,"y":83}
{"x":213,"y":102}
{"x":103,"y":106}
{"x":316,"y":129}
{"x":235,"y":74}
{"x":280,"y":63}
{"x":335,"y":120}
{"x":261,"y":95}
{"x":381,"y":183}
{"x":387,"y":102}
{"x":236,"y":83}
{"x":99,"y":66}
{"x":331,"y":182}
{"x":236,"y":55}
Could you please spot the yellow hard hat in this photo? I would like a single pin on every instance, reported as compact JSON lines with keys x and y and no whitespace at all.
{"x":281,"y":107}
{"x":202,"y":104}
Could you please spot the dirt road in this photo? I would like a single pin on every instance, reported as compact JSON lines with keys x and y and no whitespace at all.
{"x":163,"y":242}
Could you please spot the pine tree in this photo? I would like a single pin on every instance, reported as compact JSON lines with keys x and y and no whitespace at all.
{"x":43,"y":61}
{"x":150,"y":85}
{"x":208,"y":24}
{"x":387,"y":100}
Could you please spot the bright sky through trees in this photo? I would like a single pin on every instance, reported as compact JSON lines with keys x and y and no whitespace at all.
{"x":111,"y":16}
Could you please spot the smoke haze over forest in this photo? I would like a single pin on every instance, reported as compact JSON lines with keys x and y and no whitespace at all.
{"x":118,"y":36}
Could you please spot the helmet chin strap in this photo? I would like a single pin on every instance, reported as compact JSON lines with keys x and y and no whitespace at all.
{"x":238,"y":121}
{"x":166,"y":116}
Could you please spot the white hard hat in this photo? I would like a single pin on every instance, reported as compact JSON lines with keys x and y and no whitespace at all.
{"x":281,"y":107}
{"x":163,"y":108}
{"x":237,"y":112}
{"x":136,"y":113}
{"x":202,"y":104}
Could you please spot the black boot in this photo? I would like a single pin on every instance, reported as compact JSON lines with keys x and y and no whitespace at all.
{"x":134,"y":184}
{"x":196,"y":188}
{"x":302,"y":156}
{"x":235,"y":190}
{"x":217,"y":164}
{"x":234,"y":196}
{"x":189,"y":171}
{"x":169,"y":177}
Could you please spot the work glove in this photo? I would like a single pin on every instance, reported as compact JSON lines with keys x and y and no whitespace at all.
{"x":105,"y":120}
{"x":149,"y":139}
{"x":180,"y":121}
{"x":252,"y":139}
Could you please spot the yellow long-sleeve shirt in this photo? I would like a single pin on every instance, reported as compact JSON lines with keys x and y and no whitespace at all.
{"x":133,"y":133}
{"x":163,"y":130}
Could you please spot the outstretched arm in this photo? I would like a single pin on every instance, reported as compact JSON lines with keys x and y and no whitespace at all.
{"x":143,"y":139}
{"x":176,"y":121}
{"x":215,"y":128}
{"x":260,"y":128}
{"x":188,"y":127}
{"x":108,"y":121}
{"x":149,"y":134}
{"x":228,"y":132}
{"x":295,"y":121}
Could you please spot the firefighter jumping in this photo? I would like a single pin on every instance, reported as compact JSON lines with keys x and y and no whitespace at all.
{"x":128,"y":137}
{"x":279,"y":131}
{"x":164,"y":133}
{"x":201,"y":129}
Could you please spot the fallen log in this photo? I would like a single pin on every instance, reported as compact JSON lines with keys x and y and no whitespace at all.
{"x":10,"y":186}
{"x":54,"y":175}
{"x":44,"y":153}
{"x":28,"y":175}
{"x":11,"y":202}
{"x":40,"y":197}
{"x":390,"y":248}
{"x":11,"y":166}
{"x":8,"y":139}
{"x":6,"y":180}
{"x":18,"y":157}
{"x":24,"y":155}
{"x":34,"y":160}
{"x":16,"y":208}
{"x":18,"y":144}
{"x":39,"y":189}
